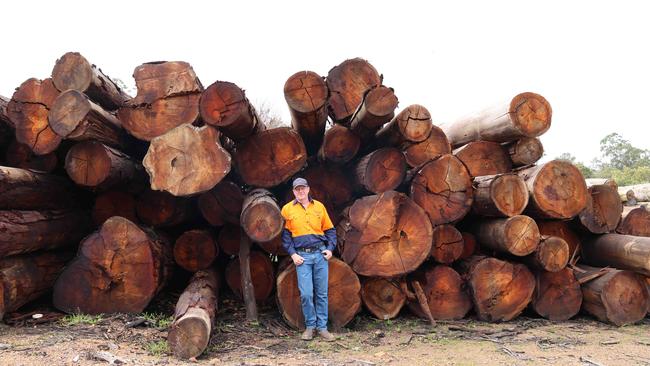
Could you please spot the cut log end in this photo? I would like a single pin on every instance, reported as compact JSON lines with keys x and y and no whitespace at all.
{"x":195,"y":250}
{"x":433,"y":147}
{"x":260,"y":216}
{"x":552,"y":254}
{"x":305,"y":92}
{"x":72,"y":71}
{"x":447,"y":245}
{"x":531,"y":114}
{"x":618,"y":297}
{"x":88,"y":163}
{"x":340,"y":145}
{"x":262,"y":276}
{"x":602,"y":213}
{"x":68,"y":111}
{"x":557,"y":295}
{"x":484,"y":158}
{"x":525,"y":151}
{"x":347,"y":82}
{"x":522,"y":235}
{"x":635,"y":222}
{"x":446,"y":293}
{"x":382,"y":170}
{"x":189,"y":336}
{"x":382,"y":297}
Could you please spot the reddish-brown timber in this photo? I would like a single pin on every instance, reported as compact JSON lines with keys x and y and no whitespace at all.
{"x":413,"y":124}
{"x":502,"y":195}
{"x":222,"y":204}
{"x":21,"y":156}
{"x":339,"y":145}
{"x":333,"y":183}
{"x":376,"y":109}
{"x":470,"y":246}
{"x":380,"y":171}
{"x":557,"y":295}
{"x":635,"y":222}
{"x":525,"y":151}
{"x":22,"y":189}
{"x":158,"y":209}
{"x":602,"y":213}
{"x":347,"y":83}
{"x":229,"y":238}
{"x":306,"y":94}
{"x":383,"y":297}
{"x":195,"y":250}
{"x":113,"y":203}
{"x":262,"y":275}
{"x":484,"y":158}
{"x":447,"y":244}
{"x":274,"y":246}
{"x":420,"y":153}
{"x":618,"y":251}
{"x":517,"y":235}
{"x":445,"y":290}
{"x":562,"y":230}
{"x":551,"y":255}
{"x":260,"y":216}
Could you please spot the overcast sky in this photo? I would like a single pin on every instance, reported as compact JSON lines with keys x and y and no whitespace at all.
{"x":590,"y":59}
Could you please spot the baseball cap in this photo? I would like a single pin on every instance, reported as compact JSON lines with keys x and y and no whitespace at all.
{"x":300,"y":182}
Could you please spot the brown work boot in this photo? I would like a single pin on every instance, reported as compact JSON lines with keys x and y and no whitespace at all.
{"x":308,"y":334}
{"x":327,"y":336}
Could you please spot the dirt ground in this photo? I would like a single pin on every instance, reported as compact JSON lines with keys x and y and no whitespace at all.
{"x":141,"y":340}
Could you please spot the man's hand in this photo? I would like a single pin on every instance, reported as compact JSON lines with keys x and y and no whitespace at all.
{"x":327,"y":254}
{"x":297,"y":259}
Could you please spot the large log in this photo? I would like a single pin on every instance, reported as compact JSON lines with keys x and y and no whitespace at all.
{"x":500,"y":290}
{"x":118,"y":269}
{"x":222,"y":204}
{"x":306,"y":94}
{"x":384,"y":235}
{"x":159,"y":209}
{"x":470,"y":246}
{"x":28,"y":109}
{"x":73,"y":71}
{"x":616,"y":297}
{"x":551,"y":255}
{"x":484,"y":158}
{"x":260,"y":216}
{"x":74,"y":116}
{"x":195,"y":250}
{"x":602,"y":213}
{"x":168,"y":96}
{"x":383,"y":297}
{"x":447,"y":244}
{"x":270,"y":157}
{"x":503,"y":195}
{"x":517,"y":235}
{"x":262,"y":276}
{"x":93,"y":165}
{"x":113,"y":203}
{"x":445,"y":290}
{"x":347,"y":82}
{"x":635,"y":222}
{"x":376,"y":109}
{"x":333,"y":183}
{"x":29,"y":190}
{"x":21,"y":156}
{"x":380,"y":171}
{"x":443,"y":188}
{"x":557,"y":295}
{"x":618,"y":251}
{"x":224,"y":105}
{"x":525,"y":115}
{"x":229,"y":238}
{"x":433,"y":147}
{"x":344,"y":300}
{"x":413,"y":124}
{"x":194,"y":316}
{"x":186,"y":160}
{"x":28,"y":231}
{"x":525,"y":151}
{"x":339,"y":145}
{"x":557,"y":190}
{"x":25,"y":278}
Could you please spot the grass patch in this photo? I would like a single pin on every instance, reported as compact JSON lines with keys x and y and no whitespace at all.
{"x":157,"y":348}
{"x":158,"y":320}
{"x":77,"y":319}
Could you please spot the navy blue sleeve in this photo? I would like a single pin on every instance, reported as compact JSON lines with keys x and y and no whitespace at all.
{"x":287,"y":242}
{"x":330,"y":234}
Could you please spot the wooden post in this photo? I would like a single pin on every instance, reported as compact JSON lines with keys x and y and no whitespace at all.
{"x":262,"y":276}
{"x":248,"y":291}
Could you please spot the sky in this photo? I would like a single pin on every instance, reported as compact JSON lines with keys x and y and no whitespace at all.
{"x":589,"y":59}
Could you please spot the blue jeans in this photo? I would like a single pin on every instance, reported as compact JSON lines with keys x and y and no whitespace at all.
{"x":312,"y":283}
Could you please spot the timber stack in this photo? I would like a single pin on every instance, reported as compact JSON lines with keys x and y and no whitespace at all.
{"x":444,"y":219}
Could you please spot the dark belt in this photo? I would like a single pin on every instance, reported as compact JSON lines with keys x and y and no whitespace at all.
{"x":307,"y":250}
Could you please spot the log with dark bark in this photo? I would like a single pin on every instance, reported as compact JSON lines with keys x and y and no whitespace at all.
{"x":484,"y":158}
{"x":445,"y":290}
{"x":260,"y":216}
{"x":28,"y":109}
{"x":262,"y":276}
{"x":168,"y":96}
{"x":384,"y":235}
{"x":347,"y":82}
{"x":447,"y":244}
{"x":21,"y":156}
{"x":344,"y":300}
{"x":159,"y":209}
{"x":186,"y":160}
{"x":74,"y":116}
{"x":339,"y":146}
{"x":616,"y":297}
{"x":376,"y":109}
{"x":500,"y":290}
{"x":73,"y":71}
{"x":470,"y":246}
{"x":95,"y":166}
{"x":29,"y":231}
{"x":618,"y":251}
{"x":225,"y":106}
{"x":525,"y":151}
{"x":557,"y":190}
{"x":420,"y":153}
{"x":270,"y":157}
{"x":551,"y":255}
{"x":195,"y":250}
{"x":306,"y":94}
{"x":228,"y":239}
{"x":25,"y":278}
{"x":443,"y":188}
{"x":113,"y":203}
{"x":525,"y":115}
{"x":195,"y":314}
{"x":412,"y":124}
{"x":635,"y":221}
{"x":557,"y":295}
{"x":119,"y":268}
{"x":383,"y":297}
{"x":29,"y":190}
{"x":502,"y":195}
{"x":222,"y":204}
{"x":517,"y":235}
{"x":380,"y":171}
{"x":603,"y":210}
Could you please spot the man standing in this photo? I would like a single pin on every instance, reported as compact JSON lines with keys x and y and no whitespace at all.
{"x":309,"y":237}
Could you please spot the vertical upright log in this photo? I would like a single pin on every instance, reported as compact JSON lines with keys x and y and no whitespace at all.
{"x":603,"y":210}
{"x":484,"y":158}
{"x":306,"y":94}
{"x":503,"y":195}
{"x":557,"y":295}
{"x":413,"y":124}
{"x":380,"y":171}
{"x":376,"y":108}
{"x":347,"y":82}
{"x":525,"y":151}
{"x":248,"y":291}
{"x":517,"y":235}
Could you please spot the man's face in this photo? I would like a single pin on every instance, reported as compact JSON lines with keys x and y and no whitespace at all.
{"x":301,"y":192}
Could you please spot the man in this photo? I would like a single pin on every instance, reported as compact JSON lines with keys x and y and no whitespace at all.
{"x":309,"y":237}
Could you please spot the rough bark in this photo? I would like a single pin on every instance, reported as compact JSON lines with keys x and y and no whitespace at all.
{"x":260,"y":216}
{"x":376,"y":109}
{"x":562,"y":230}
{"x":195,"y":314}
{"x":602,"y":213}
{"x":551,"y":255}
{"x":635,"y":222}
{"x":525,"y":151}
{"x":517,"y":235}
{"x":344,"y":300}
{"x":384,"y":235}
{"x":306,"y":94}
{"x":618,"y":251}
{"x":447,"y":244}
{"x":222,"y":204}
{"x":484,"y":158}
{"x":503,"y":195}
{"x":195,"y":250}
{"x":21,"y":156}
{"x":525,"y":115}
{"x":119,"y":268}
{"x":339,"y":145}
{"x":433,"y":147}
{"x":29,"y":190}
{"x":557,"y":190}
{"x":412,"y":124}
{"x":557,"y":295}
{"x":113,"y":203}
{"x":380,"y":171}
{"x":262,"y":276}
{"x":383,"y":297}
{"x":159,"y":209}
{"x":73,"y":71}
{"x":347,"y":82}
{"x":445,"y":290}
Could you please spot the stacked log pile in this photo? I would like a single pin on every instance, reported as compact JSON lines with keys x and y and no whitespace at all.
{"x":440,"y":218}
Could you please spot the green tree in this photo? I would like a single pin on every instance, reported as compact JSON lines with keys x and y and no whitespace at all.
{"x":619,"y":153}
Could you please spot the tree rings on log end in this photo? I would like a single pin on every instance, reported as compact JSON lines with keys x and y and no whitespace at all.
{"x":447,"y":245}
{"x":557,"y":295}
{"x":382,"y":170}
{"x":433,"y":147}
{"x":189,"y":336}
{"x":484,"y":158}
{"x":305,"y":91}
{"x":382,"y":297}
{"x":446,"y":293}
{"x":195,"y":250}
{"x":346,"y":83}
{"x":531,"y":114}
{"x":603,"y":211}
